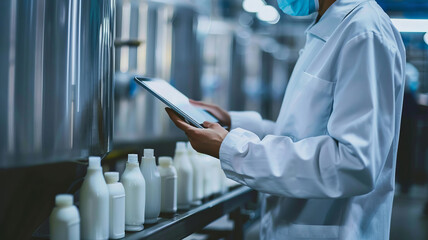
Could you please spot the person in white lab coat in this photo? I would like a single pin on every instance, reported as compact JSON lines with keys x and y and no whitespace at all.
{"x":326,"y":166}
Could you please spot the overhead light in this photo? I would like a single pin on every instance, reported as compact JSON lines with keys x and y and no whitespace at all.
{"x":426,"y":38}
{"x":275,"y":20}
{"x":252,"y":6}
{"x":268,"y":14}
{"x":410,"y":25}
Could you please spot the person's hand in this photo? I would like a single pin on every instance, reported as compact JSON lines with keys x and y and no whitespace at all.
{"x":222,"y":115}
{"x":207,"y":140}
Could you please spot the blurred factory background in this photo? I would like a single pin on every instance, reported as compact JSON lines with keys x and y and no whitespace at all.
{"x":67,"y":89}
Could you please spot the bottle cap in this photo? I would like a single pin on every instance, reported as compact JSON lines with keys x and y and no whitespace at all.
{"x":165,"y":161}
{"x":111,"y":177}
{"x":180,"y":147}
{"x":133,"y":158}
{"x":64,"y":200}
{"x":149,"y":153}
{"x":94,"y":162}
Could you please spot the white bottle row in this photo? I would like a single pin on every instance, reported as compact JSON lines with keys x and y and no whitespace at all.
{"x":109,"y":207}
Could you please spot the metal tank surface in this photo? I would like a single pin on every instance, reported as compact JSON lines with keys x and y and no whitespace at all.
{"x":157,"y":39}
{"x":56,"y":80}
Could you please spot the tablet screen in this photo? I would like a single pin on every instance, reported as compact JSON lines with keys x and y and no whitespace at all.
{"x":162,"y":89}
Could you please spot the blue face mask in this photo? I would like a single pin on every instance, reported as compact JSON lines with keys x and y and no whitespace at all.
{"x":298,"y":7}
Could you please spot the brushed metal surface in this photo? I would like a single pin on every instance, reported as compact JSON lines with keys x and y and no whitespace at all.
{"x":156,"y":39}
{"x":56,"y":80}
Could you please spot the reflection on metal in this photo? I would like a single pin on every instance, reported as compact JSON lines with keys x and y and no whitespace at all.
{"x":129,"y":43}
{"x":242,"y":70}
{"x":249,"y":73}
{"x":56,"y":62}
{"x":169,"y":50}
{"x":217,"y":68}
{"x":217,"y":54}
{"x":253,"y":78}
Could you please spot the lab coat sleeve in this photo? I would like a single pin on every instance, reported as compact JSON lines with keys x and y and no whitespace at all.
{"x":343,"y":163}
{"x":251,"y":121}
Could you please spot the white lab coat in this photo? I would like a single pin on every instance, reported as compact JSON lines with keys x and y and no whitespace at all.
{"x":327,"y":165}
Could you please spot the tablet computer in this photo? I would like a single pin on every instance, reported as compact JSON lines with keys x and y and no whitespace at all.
{"x":176,"y":100}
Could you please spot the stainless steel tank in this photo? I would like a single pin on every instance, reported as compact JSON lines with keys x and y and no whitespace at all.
{"x":218,"y":36}
{"x":56,"y":88}
{"x":158,"y":39}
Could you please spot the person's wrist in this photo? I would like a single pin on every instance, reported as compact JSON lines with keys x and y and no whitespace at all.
{"x":223,"y":135}
{"x":228,"y":122}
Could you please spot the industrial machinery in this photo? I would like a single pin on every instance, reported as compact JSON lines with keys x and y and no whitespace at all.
{"x":56,"y":88}
{"x":156,"y":39}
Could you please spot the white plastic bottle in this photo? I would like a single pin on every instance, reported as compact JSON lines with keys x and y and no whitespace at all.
{"x":153,"y":186}
{"x":168,"y":185}
{"x":135,"y":191}
{"x":207,"y":175}
{"x":184,"y":177}
{"x":222,"y":188}
{"x":198,"y":175}
{"x":94,"y":204}
{"x":223,"y":179}
{"x":64,"y":220}
{"x":117,"y":205}
{"x":215,"y":174}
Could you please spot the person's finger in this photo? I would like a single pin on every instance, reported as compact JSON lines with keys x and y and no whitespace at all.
{"x":180,"y":123}
{"x":212,"y":109}
{"x":196,"y":102}
{"x":208,"y":124}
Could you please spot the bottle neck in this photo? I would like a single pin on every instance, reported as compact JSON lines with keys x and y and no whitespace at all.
{"x":131,"y":166}
{"x":179,"y":154}
{"x":149,"y":162}
{"x":94,"y":170}
{"x":94,"y":173}
{"x":111,"y":182}
{"x":191,"y":154}
{"x":63,"y":206}
{"x":165,"y":166}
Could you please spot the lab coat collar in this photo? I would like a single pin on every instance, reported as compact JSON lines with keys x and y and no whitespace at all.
{"x":332,"y":18}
